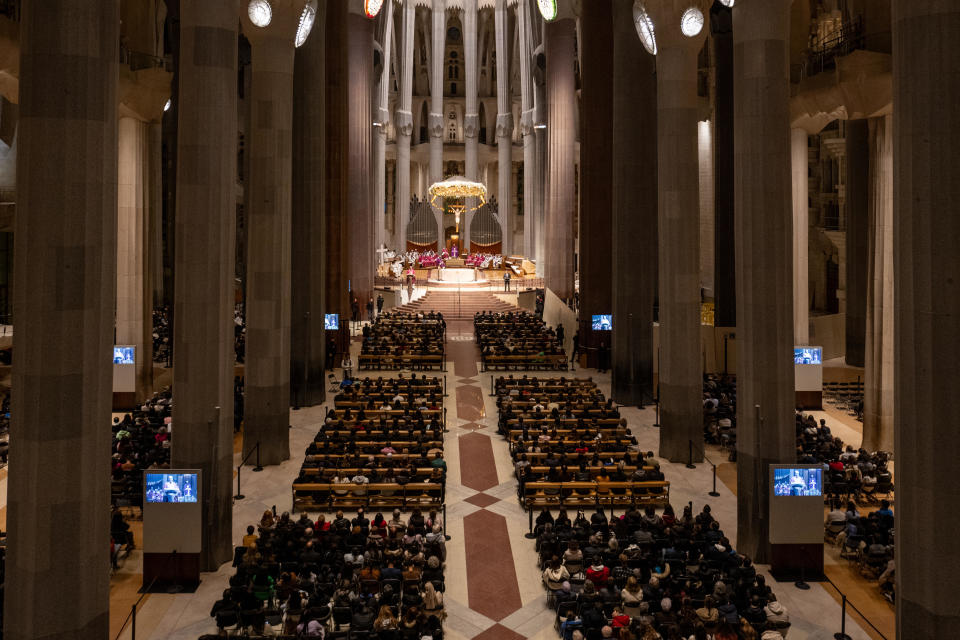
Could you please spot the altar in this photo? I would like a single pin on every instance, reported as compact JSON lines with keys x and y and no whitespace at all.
{"x":457,"y":274}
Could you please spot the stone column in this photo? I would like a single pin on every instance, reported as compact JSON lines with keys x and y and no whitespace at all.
{"x":471,"y":119}
{"x":380,"y":131}
{"x":308,"y":244}
{"x":526,"y":129}
{"x":155,"y":225}
{"x":705,"y":154}
{"x":359,"y":196}
{"x":560,"y":48}
{"x":680,"y":372}
{"x":336,"y":222}
{"x":504,"y":127}
{"x":926,"y":189}
{"x":858,"y":172}
{"x":403,"y":125}
{"x":58,"y":586}
{"x":634,"y":218}
{"x":204,"y":269}
{"x":267,"y":370}
{"x":764,"y":266}
{"x":724,"y":248}
{"x":134,"y":299}
{"x":878,"y":390}
{"x":540,"y":116}
{"x":799,"y":167}
{"x":596,"y":185}
{"x":435,"y":117}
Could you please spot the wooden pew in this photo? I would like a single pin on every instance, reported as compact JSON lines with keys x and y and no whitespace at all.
{"x":573,"y":494}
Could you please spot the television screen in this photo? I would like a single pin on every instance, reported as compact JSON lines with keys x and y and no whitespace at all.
{"x":331,"y":321}
{"x":807,"y":355}
{"x":797,"y":482}
{"x":171,"y":487}
{"x":603,"y":322}
{"x":123,"y":355}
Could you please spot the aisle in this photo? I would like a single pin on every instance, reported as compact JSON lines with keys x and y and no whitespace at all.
{"x":501,"y":596}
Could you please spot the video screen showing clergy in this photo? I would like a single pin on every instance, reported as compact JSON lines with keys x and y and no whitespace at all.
{"x":797,"y":482}
{"x":171,"y":487}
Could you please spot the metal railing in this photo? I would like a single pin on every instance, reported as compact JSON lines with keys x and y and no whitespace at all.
{"x":842,"y":634}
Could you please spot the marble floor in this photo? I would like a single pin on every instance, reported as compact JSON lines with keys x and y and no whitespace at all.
{"x":493,"y":584}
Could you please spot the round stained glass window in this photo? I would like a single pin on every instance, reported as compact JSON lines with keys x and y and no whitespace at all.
{"x":644,"y":24}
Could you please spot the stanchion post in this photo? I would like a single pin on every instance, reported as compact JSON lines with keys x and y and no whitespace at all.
{"x":530,"y":535}
{"x":714,"y":493}
{"x":690,"y":464}
{"x":258,"y":467}
{"x":657,"y":423}
{"x":239,"y":495}
{"x":843,"y":619}
{"x":133,"y":622}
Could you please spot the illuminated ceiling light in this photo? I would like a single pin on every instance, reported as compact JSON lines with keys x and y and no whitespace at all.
{"x":727,"y":3}
{"x":306,"y":23}
{"x":644,"y":24}
{"x":372,"y":7}
{"x":691,"y":22}
{"x":166,"y":107}
{"x":548,"y":9}
{"x":260,"y":12}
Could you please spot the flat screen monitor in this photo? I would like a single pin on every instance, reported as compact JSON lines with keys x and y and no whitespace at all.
{"x":124,"y":355}
{"x":807,"y":355}
{"x":603,"y":322}
{"x":331,"y":321}
{"x":797,"y":482}
{"x":171,"y":487}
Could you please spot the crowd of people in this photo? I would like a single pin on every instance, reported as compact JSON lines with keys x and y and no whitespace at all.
{"x":850,"y":477}
{"x":519,"y":340}
{"x":386,"y":432}
{"x":650,"y":575}
{"x":163,"y":340}
{"x":379,"y":577}
{"x":400,"y":339}
{"x":141,"y":440}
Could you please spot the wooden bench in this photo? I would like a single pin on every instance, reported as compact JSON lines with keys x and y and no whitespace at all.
{"x":550,"y":362}
{"x":325,"y":496}
{"x":389,"y":361}
{"x":598,"y":494}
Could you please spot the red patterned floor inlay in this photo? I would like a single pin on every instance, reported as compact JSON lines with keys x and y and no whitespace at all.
{"x":470,"y":403}
{"x":464,"y":356}
{"x":491,"y":577}
{"x":478,"y":469}
{"x":471,"y":426}
{"x":482,"y":500}
{"x":498,"y":632}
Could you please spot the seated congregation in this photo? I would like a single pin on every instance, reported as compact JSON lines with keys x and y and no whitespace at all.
{"x":852,"y":479}
{"x":652,"y":576}
{"x":570,"y":447}
{"x":403,"y":340}
{"x":381,"y":446}
{"x":518,"y":340}
{"x":338,"y":578}
{"x":141,"y":440}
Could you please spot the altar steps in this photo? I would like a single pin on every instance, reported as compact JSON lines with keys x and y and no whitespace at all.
{"x":458,"y":305}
